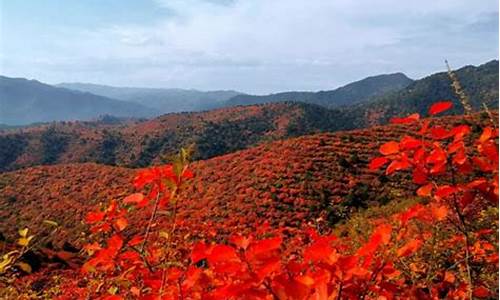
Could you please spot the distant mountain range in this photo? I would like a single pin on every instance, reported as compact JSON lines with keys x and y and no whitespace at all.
{"x":370,"y":101}
{"x":162,"y":100}
{"x":350,"y":94}
{"x":36,"y":102}
{"x":25,"y":101}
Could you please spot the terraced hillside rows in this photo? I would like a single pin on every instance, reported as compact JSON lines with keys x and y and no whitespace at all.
{"x":144,"y":143}
{"x":318,"y":179}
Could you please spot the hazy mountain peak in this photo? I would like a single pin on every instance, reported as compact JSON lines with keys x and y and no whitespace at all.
{"x":352,"y":93}
{"x":24,"y":101}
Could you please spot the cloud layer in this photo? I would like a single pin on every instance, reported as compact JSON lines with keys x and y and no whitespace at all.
{"x":262,"y":46}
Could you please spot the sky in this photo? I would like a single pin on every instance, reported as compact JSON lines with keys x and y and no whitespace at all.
{"x":253,"y":46}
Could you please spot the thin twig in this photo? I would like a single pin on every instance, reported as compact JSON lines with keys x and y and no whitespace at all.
{"x":151,"y":219}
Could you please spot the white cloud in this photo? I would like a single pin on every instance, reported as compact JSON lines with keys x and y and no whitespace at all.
{"x":265,"y":45}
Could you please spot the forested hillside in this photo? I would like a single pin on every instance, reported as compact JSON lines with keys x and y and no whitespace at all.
{"x":353,"y":93}
{"x":479,"y":83}
{"x":149,"y":142}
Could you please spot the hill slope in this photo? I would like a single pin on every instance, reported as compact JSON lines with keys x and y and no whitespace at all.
{"x":25,"y":101}
{"x":139,"y":144}
{"x":319,"y":179}
{"x":284,"y":182}
{"x":479,"y":83}
{"x":356,"y":92}
{"x":163,"y":100}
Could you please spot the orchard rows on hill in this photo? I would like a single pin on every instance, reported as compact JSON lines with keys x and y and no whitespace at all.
{"x":323,"y":175}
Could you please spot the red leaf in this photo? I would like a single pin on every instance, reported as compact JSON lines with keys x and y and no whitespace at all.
{"x":200,"y":251}
{"x":136,"y":240}
{"x":439,"y":212}
{"x":389,"y":148}
{"x":419,"y":156}
{"x":115,"y":243}
{"x":192,"y":276}
{"x":134,"y":198}
{"x":377,"y":162}
{"x":410,"y":213}
{"x":425,"y":190}
{"x":409,"y":248}
{"x":239,"y":241}
{"x":320,"y":251}
{"x":481,"y":292}
{"x":268,"y":267}
{"x":187,"y":174}
{"x":121,"y":223}
{"x":94,"y":217}
{"x":460,"y":158}
{"x":264,"y":246}
{"x":440,"y":133}
{"x":437,"y":156}
{"x":490,"y":151}
{"x":460,"y":131}
{"x":381,"y":236}
{"x":406,"y":120}
{"x":439,"y":107}
{"x":449,"y":277}
{"x":439,"y":168}
{"x":424,"y":128}
{"x":419,"y":175}
{"x":397,"y":165}
{"x":305,"y":280}
{"x":445,"y":191}
{"x":130,"y":255}
{"x":145,"y":177}
{"x":483,"y":164}
{"x":456,"y":146}
{"x":222,"y":253}
{"x":408,"y":143}
{"x":486,"y":135}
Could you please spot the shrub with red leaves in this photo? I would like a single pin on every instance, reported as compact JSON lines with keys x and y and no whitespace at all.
{"x":438,"y":248}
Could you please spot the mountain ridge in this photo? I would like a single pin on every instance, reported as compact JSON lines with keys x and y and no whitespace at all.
{"x":354,"y":92}
{"x":39,"y":102}
{"x":165,"y":100}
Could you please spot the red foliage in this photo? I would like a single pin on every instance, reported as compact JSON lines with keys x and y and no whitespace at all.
{"x":440,"y":107}
{"x":455,"y":171}
{"x":254,"y":267}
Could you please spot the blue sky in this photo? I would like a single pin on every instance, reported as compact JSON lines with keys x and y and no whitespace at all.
{"x":255,"y":46}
